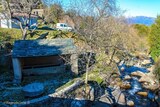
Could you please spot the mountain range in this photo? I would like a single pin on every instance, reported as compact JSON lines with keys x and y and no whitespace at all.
{"x":141,"y":20}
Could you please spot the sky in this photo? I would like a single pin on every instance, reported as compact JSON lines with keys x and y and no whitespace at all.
{"x":150,"y":8}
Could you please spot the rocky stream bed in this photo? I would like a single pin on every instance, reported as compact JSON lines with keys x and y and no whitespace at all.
{"x":134,"y":86}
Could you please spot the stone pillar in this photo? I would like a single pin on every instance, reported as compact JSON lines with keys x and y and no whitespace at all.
{"x":17,"y":70}
{"x":74,"y":63}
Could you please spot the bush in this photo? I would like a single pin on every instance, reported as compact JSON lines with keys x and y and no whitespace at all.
{"x":154,"y":39}
{"x":9,"y":35}
{"x":157,"y":69}
{"x":142,"y":30}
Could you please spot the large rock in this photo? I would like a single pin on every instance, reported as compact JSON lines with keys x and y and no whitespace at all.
{"x":151,"y":69}
{"x":113,"y":97}
{"x":146,"y":62}
{"x":107,"y":99}
{"x":125,"y":85}
{"x":152,"y":87}
{"x":122,"y":69}
{"x":92,"y":96}
{"x":127,"y":77}
{"x":144,"y":94}
{"x":130,"y":103}
{"x":149,"y":81}
{"x":33,"y":89}
{"x":138,"y":74}
{"x":130,"y":63}
{"x":119,"y":96}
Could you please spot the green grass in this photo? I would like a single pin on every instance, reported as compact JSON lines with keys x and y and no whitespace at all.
{"x":16,"y":34}
{"x":11,"y":35}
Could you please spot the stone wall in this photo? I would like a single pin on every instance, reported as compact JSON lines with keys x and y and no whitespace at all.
{"x":5,"y":56}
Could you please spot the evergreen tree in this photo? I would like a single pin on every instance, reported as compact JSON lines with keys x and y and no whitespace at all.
{"x":154,"y":39}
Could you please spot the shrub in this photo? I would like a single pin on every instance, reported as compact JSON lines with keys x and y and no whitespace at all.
{"x":154,"y":39}
{"x":9,"y":35}
{"x":142,"y":30}
{"x":157,"y":69}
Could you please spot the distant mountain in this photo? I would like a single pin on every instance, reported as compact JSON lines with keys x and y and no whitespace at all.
{"x":141,"y":20}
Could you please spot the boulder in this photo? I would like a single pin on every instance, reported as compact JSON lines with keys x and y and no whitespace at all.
{"x":144,"y":94}
{"x":142,"y":55}
{"x":116,"y":59}
{"x":130,"y":63}
{"x":107,"y":99}
{"x":149,"y":81}
{"x":151,"y":87}
{"x":92,"y":97}
{"x":151,"y":69}
{"x":138,"y":74}
{"x":33,"y":89}
{"x":146,"y":62}
{"x":119,"y":96}
{"x":130,"y":103}
{"x":127,"y":77}
{"x":122,"y":69}
{"x":125,"y":85}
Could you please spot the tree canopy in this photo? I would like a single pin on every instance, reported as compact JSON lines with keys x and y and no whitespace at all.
{"x":154,"y":39}
{"x":54,"y":13}
{"x":142,"y":30}
{"x":20,"y":12}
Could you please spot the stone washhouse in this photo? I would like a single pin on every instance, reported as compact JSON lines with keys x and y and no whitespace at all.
{"x":39,"y":57}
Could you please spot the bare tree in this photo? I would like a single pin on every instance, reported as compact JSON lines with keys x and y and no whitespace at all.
{"x":89,"y":19}
{"x":101,"y":26}
{"x":20,"y":13}
{"x":47,"y":2}
{"x":54,"y":13}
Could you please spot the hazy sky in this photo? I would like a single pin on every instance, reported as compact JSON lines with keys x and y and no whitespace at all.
{"x":140,"y":7}
{"x":149,"y":8}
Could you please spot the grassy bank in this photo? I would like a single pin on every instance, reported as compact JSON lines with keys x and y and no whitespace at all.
{"x":11,"y":35}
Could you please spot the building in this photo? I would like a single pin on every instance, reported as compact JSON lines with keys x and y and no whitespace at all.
{"x":6,"y":22}
{"x":20,"y":14}
{"x":38,"y":12}
{"x":40,"y":57}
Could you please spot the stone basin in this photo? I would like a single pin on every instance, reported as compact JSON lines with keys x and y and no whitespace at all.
{"x":33,"y":89}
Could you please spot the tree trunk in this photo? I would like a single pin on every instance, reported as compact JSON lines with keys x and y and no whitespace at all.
{"x":24,"y":35}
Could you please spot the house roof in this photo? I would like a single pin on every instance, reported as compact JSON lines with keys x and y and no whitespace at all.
{"x":5,"y":16}
{"x":24,"y":15}
{"x":37,"y":48}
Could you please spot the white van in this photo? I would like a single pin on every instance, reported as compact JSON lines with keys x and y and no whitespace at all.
{"x":63,"y":27}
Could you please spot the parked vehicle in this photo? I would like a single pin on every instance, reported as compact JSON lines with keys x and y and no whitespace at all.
{"x":63,"y":27}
